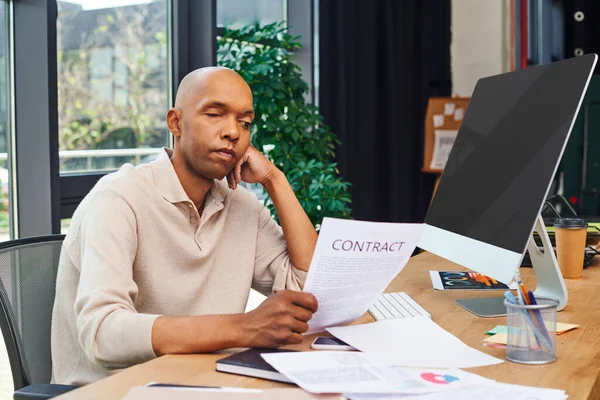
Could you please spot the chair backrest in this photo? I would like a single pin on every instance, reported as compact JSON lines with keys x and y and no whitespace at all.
{"x":27,"y":287}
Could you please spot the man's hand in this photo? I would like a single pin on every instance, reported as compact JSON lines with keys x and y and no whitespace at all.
{"x":280,"y":319}
{"x":253,"y":167}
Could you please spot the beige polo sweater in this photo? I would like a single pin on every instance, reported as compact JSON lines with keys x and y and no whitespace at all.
{"x":137,"y":249}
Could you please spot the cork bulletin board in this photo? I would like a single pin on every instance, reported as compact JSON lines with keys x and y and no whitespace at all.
{"x":442,"y":120}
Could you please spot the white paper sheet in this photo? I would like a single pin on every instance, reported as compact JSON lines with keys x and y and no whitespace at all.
{"x":438,"y":120}
{"x":171,"y":393}
{"x":491,"y":391}
{"x":413,"y":342}
{"x":449,"y":108}
{"x":338,"y":371}
{"x":353,"y":262}
{"x":459,"y":114}
{"x":443,"y":142}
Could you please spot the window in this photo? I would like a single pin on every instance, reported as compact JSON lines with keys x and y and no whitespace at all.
{"x":238,"y":13}
{"x":6,"y":232}
{"x":6,"y":203}
{"x":113,"y":79}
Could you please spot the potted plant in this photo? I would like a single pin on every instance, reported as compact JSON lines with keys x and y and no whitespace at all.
{"x":287,"y":128}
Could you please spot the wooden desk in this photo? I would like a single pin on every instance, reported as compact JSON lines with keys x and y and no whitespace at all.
{"x":577,"y":369}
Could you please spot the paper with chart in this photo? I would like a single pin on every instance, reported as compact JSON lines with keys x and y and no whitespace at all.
{"x":353,"y":262}
{"x":443,"y":142}
{"x":413,"y":342}
{"x":354,"y":372}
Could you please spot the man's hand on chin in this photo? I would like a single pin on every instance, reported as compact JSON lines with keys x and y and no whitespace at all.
{"x":253,"y":167}
{"x":298,"y":230}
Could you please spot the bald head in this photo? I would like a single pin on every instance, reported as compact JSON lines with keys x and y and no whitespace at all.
{"x":212,"y":116}
{"x":200,"y":81}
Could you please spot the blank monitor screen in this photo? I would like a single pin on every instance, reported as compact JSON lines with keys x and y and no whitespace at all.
{"x":504,"y":157}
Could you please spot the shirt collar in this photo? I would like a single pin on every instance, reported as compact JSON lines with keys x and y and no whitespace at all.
{"x":168,"y":184}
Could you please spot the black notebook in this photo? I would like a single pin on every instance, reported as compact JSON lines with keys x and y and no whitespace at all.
{"x":250,"y":363}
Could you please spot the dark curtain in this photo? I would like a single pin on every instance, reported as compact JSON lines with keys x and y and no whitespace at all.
{"x":380,"y":60}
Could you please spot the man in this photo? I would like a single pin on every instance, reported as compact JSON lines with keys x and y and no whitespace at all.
{"x":160,"y":258}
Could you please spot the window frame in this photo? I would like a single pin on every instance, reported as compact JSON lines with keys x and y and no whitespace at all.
{"x":35,"y":142}
{"x":301,"y":22}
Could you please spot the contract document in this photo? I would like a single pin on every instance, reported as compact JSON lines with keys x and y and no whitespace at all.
{"x":353,"y":262}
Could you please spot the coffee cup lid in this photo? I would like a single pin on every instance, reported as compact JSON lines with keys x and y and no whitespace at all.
{"x":570,"y":223}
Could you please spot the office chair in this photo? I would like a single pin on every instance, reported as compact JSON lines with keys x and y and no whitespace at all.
{"x":27,"y":287}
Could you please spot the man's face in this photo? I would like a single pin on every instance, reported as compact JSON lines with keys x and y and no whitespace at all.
{"x":215,"y":125}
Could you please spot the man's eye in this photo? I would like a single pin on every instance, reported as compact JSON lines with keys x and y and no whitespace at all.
{"x":213,"y":115}
{"x":246,"y":125}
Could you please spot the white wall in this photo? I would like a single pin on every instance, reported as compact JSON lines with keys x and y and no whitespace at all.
{"x":479,"y":46}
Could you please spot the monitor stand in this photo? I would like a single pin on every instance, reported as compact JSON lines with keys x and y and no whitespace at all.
{"x":548,"y":277}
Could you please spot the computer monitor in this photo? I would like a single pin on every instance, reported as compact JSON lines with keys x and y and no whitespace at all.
{"x":499,"y":170}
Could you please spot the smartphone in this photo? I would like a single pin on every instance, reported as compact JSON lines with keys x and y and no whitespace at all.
{"x":330,"y":343}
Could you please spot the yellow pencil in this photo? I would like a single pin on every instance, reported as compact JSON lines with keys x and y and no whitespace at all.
{"x":524,"y":293}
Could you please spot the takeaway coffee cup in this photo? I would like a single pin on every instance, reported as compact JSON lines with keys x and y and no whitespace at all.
{"x":570,"y":246}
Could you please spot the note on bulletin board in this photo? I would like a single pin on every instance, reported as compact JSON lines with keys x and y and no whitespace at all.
{"x":442,"y":122}
{"x":459,"y":114}
{"x":444,"y":140}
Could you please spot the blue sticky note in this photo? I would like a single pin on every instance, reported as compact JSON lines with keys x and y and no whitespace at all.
{"x":498,"y":329}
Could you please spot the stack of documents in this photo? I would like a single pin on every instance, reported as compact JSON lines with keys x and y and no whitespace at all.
{"x":403,"y":356}
{"x":364,"y":377}
{"x":355,"y":372}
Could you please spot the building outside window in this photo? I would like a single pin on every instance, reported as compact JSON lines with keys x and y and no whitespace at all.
{"x":112,"y":83}
{"x":236,"y":14}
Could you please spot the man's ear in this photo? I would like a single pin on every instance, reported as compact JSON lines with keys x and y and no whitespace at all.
{"x":174,"y":122}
